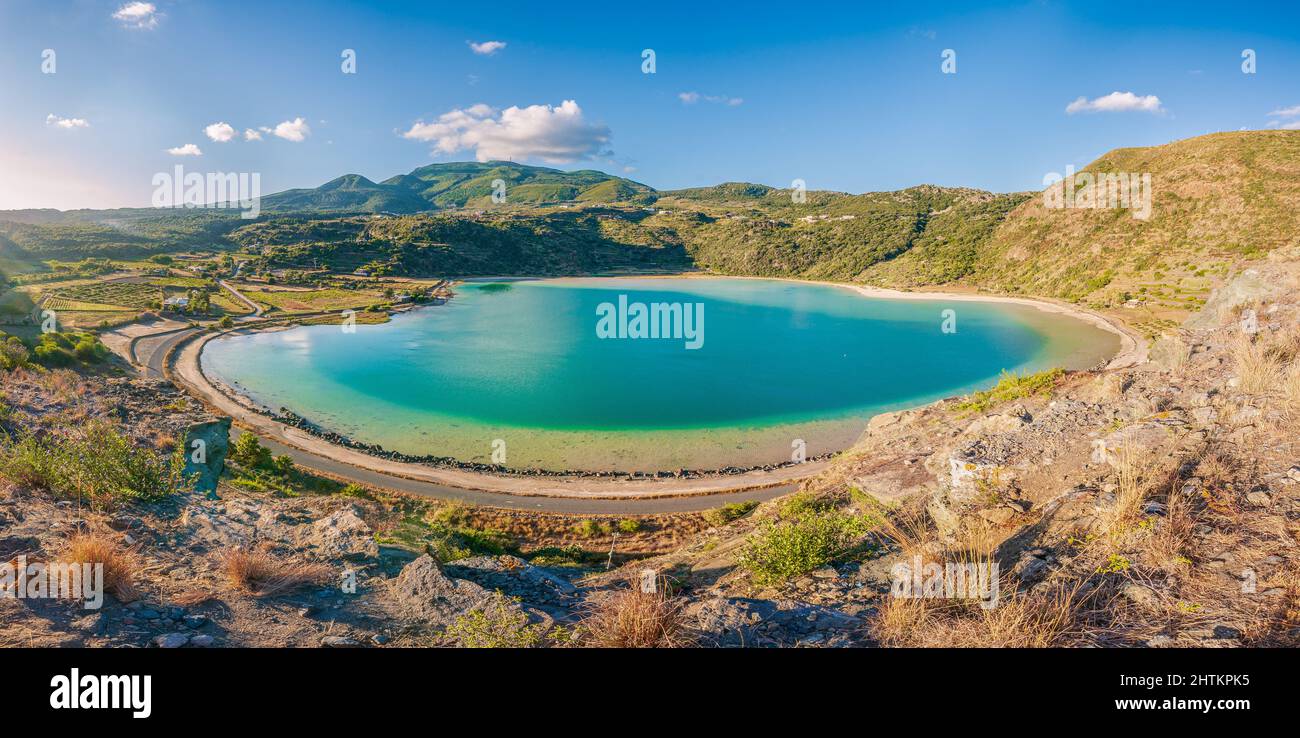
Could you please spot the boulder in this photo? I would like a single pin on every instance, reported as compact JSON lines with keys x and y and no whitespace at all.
{"x":341,"y":535}
{"x":206,"y":445}
{"x":422,"y":591}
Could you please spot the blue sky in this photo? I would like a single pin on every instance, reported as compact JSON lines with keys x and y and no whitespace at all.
{"x":846,"y":96}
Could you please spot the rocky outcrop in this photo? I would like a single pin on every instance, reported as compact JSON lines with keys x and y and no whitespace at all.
{"x":206,"y":445}
{"x":341,"y":535}
{"x":424,"y":592}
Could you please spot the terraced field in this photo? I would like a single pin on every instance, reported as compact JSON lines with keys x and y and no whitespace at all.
{"x":307,"y":301}
{"x":125,"y":295}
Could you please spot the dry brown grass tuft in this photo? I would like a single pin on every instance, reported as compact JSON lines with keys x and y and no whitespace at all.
{"x":258,"y":571}
{"x":65,"y":384}
{"x":910,"y":530}
{"x":1291,"y":391}
{"x":1130,"y":492}
{"x":120,"y":563}
{"x":1172,"y":536}
{"x":1258,"y":369}
{"x":1053,"y":616}
{"x":633,"y":618}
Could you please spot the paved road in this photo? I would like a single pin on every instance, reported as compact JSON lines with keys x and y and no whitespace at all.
{"x":153,"y":363}
{"x":257,"y":309}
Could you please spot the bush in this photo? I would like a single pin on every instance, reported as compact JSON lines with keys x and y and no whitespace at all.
{"x":249,"y":452}
{"x":629,"y":525}
{"x":98,"y":464}
{"x":67,"y":349}
{"x":1011,"y":386}
{"x":283,"y":465}
{"x":227,"y":323}
{"x":720,"y":516}
{"x":587,"y":528}
{"x":498,"y":624}
{"x":808,"y":535}
{"x":13,"y":354}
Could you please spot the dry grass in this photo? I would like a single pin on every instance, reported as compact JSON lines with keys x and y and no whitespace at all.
{"x":120,"y":563}
{"x":1053,"y":616}
{"x":633,"y":618}
{"x":65,"y":384}
{"x":1258,"y":369}
{"x":1130,"y":490}
{"x":1169,"y":542}
{"x":257,"y":571}
{"x":1291,"y":391}
{"x":910,"y":530}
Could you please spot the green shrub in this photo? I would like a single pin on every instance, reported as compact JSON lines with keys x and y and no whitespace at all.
{"x":720,"y":516}
{"x":1011,"y":387}
{"x":98,"y":464}
{"x":283,"y":465}
{"x":13,"y":354}
{"x":248,"y":451}
{"x":30,"y":462}
{"x":356,"y":490}
{"x":629,"y":525}
{"x":587,"y":528}
{"x":58,"y":349}
{"x":809,"y":533}
{"x":499,"y":624}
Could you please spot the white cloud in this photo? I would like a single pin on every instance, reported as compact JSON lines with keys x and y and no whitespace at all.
{"x":1292,"y":126}
{"x":66,"y":123}
{"x":1116,"y":102}
{"x":138,"y":15}
{"x":186,"y":150}
{"x":220,"y":132}
{"x":554,"y":134}
{"x":251,"y":135}
{"x":486,"y":48}
{"x":295,"y":130}
{"x":690,"y":98}
{"x":1291,"y":112}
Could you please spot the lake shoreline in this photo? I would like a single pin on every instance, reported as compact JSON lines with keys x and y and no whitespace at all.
{"x":302,"y":433}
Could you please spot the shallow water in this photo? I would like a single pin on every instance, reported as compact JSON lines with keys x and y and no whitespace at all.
{"x":521,"y":364}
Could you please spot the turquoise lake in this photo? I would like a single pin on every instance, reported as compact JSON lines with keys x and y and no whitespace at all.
{"x":520,"y":364}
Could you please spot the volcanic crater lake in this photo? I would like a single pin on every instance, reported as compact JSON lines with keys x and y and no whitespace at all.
{"x":522,"y":366}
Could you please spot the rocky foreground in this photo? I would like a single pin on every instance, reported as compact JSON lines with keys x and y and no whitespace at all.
{"x":1157,"y":505}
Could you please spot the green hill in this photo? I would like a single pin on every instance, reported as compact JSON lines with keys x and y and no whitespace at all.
{"x":456,"y":185}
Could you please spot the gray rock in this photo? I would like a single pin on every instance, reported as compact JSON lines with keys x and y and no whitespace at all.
{"x":206,"y":446}
{"x":1139,"y":595}
{"x":1294,"y":473}
{"x":171,"y":640}
{"x":424,"y":592}
{"x":202,"y":641}
{"x":1258,"y":498}
{"x":342,"y":535}
{"x":340,"y":642}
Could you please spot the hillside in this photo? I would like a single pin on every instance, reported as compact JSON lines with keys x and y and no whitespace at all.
{"x":1218,"y":201}
{"x":455,"y":185}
